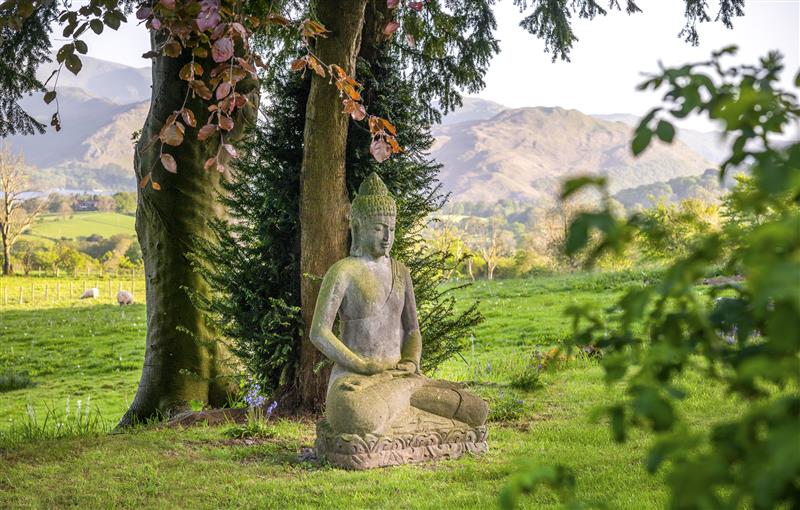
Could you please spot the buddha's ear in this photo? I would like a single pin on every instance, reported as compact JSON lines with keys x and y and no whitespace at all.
{"x":355,"y":226}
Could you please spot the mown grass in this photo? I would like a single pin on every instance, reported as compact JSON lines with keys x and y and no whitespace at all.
{"x":97,"y":350}
{"x":81,"y":224}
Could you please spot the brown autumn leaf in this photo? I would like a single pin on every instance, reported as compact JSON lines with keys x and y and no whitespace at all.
{"x":276,"y":19}
{"x":374,"y":125}
{"x":225,"y":123}
{"x":188,"y":117}
{"x":172,"y":134}
{"x":299,"y":64}
{"x":355,"y":109}
{"x":390,"y":28}
{"x":169,"y":163}
{"x":156,"y":186}
{"x":417,"y":6}
{"x":392,"y":4}
{"x":200,"y":52}
{"x":349,"y":90}
{"x":247,"y":66}
{"x":206,"y":131}
{"x":172,"y":49}
{"x":186,"y":72}
{"x":144,"y":181}
{"x":209,"y":163}
{"x":389,"y":127}
{"x":315,"y":65}
{"x":338,"y":72}
{"x":380,"y":150}
{"x":411,"y":41}
{"x":395,"y":146}
{"x":201,"y":89}
{"x":223,"y":90}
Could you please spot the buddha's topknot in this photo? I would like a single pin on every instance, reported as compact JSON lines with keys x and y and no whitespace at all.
{"x":373,"y":199}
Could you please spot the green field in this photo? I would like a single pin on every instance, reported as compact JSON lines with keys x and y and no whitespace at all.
{"x":92,"y":352}
{"x":81,"y":224}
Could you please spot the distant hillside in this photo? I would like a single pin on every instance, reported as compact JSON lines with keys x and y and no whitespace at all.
{"x":706,"y":143}
{"x":525,"y":153}
{"x":473,"y":108}
{"x":99,"y":78}
{"x":706,"y":186}
{"x":92,"y":150}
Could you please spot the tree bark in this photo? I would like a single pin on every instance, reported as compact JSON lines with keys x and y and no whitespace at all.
{"x":183,"y":359}
{"x":6,"y":258}
{"x":324,"y":203}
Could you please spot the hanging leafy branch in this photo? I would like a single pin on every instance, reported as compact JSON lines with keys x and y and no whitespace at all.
{"x":551,"y":20}
{"x":217,"y":34}
{"x":743,"y":336}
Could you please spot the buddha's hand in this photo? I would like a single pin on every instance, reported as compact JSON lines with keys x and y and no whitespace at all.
{"x":407,"y":366}
{"x":367,"y":366}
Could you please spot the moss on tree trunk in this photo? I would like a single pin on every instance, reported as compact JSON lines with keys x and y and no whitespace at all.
{"x":183,"y":359}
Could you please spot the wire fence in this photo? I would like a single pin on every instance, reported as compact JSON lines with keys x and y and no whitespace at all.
{"x":16,"y":291}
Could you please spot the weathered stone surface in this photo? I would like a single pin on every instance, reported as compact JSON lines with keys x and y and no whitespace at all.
{"x":351,"y":451}
{"x":380,"y":411}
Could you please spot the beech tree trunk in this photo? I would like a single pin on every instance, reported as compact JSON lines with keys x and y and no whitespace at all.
{"x":183,"y":360}
{"x":324,"y":204}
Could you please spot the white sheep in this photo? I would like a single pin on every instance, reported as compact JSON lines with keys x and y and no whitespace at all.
{"x":92,"y":293}
{"x":124,"y":298}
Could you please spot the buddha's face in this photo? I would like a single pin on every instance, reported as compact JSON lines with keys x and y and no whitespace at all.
{"x":375,"y":235}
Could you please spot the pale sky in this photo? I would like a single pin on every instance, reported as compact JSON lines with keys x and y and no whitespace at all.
{"x":607,"y":61}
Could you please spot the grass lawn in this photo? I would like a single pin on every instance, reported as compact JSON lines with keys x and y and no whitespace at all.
{"x":81,"y":224}
{"x":93,"y":351}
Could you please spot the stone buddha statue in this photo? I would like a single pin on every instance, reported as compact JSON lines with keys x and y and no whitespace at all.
{"x":379,"y":409}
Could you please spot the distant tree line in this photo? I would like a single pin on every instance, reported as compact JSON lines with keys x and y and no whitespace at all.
{"x":94,"y":253}
{"x":508,"y":239}
{"x":123,"y":202}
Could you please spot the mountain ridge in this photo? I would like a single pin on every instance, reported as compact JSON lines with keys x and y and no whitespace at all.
{"x":489,"y":151}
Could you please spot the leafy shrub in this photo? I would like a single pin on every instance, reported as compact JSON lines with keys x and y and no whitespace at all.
{"x":665,"y":328}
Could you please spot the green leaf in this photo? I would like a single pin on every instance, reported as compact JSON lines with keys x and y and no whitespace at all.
{"x":49,"y":96}
{"x":641,"y":140}
{"x":73,"y":63}
{"x":96,"y":25}
{"x":81,"y":47}
{"x":665,"y":131}
{"x":111,"y":20}
{"x":616,"y":415}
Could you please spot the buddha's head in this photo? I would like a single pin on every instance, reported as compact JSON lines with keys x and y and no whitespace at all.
{"x":372,"y":219}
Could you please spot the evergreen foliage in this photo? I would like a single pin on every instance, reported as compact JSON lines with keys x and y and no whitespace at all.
{"x":22,"y":49}
{"x":254,"y":264}
{"x":550,"y":20}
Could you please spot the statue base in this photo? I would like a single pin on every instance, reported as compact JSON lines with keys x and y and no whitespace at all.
{"x":351,"y":451}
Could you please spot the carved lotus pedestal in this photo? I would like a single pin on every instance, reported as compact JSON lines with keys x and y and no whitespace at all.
{"x":420,"y":437}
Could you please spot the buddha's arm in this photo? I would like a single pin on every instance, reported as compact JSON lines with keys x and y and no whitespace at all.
{"x":329,"y":300}
{"x":411,"y":351}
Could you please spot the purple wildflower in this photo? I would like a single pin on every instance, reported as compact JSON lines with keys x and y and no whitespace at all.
{"x":271,"y":408}
{"x":254,"y":398}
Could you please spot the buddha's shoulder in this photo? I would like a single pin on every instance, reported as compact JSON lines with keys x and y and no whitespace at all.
{"x":352,"y":265}
{"x":345,"y":267}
